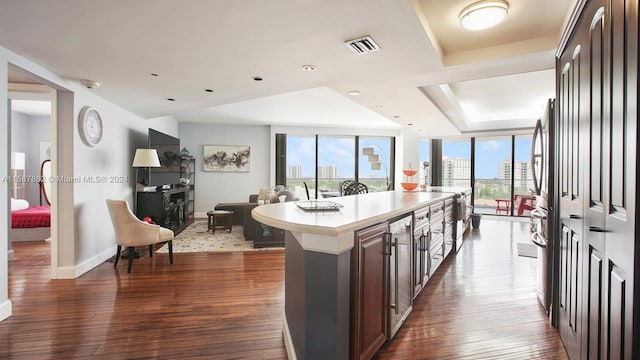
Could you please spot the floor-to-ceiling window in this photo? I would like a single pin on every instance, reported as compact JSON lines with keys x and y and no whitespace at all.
{"x":300,"y":164}
{"x":336,"y":162}
{"x":375,"y":163}
{"x":322,"y":163}
{"x":502,"y":171}
{"x":492,"y":191}
{"x":456,"y":163}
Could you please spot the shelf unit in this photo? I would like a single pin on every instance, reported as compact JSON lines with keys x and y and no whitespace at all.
{"x":188,"y":171}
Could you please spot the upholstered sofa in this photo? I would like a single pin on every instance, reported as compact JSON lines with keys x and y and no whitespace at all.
{"x":261,"y":235}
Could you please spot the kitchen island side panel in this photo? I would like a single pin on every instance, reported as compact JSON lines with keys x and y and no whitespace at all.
{"x":317,"y":301}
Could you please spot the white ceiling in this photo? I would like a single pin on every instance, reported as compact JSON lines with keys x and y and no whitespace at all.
{"x":428,"y":75}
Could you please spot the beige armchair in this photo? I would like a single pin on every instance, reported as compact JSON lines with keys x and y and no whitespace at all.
{"x":132,"y":232}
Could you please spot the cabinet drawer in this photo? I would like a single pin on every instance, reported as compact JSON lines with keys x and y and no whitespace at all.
{"x":436,"y":255}
{"x":421,"y":218}
{"x":437,"y":213}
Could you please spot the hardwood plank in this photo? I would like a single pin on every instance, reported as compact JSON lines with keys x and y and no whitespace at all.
{"x":480,"y":304}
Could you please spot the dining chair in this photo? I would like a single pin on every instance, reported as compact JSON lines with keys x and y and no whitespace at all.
{"x":356,"y":188}
{"x":344,"y":184}
{"x":306,"y":190}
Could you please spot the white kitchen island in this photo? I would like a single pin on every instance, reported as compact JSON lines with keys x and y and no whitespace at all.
{"x":318,"y":265}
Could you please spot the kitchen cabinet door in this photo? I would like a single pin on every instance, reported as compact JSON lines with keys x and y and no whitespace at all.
{"x":370,"y":274}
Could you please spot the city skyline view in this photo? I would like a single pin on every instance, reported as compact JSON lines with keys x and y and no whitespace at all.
{"x":338,"y":153}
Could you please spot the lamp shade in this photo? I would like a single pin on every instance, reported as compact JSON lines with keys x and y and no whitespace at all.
{"x":146,"y":158}
{"x":17,"y":161}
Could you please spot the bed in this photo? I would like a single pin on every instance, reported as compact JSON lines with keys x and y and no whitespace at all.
{"x":31,"y":223}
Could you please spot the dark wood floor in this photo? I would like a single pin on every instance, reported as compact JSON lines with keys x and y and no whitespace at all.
{"x":480,"y":305}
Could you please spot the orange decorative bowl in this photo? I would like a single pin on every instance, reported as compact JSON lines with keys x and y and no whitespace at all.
{"x":409,"y":186}
{"x":409,"y":173}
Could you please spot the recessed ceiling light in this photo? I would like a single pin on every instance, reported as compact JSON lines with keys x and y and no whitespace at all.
{"x":154,"y":74}
{"x":257,"y":78}
{"x":208,"y":90}
{"x":309,"y":67}
{"x":396,"y":116}
{"x":354,"y":92}
{"x":171,"y":99}
{"x":379,"y":107}
{"x":483,"y":14}
{"x":90,"y":84}
{"x":410,"y":124}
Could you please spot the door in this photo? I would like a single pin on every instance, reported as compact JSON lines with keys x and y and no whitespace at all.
{"x":610,"y":178}
{"x":369,"y":321}
{"x":570,"y":194}
{"x":597,"y":88}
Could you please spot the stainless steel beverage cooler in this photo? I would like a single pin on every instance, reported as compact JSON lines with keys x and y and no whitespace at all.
{"x":399,"y":251}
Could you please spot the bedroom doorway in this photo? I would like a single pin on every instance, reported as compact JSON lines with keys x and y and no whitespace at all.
{"x":30,"y":122}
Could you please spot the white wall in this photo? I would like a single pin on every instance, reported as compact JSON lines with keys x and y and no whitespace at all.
{"x":26,"y":134}
{"x":212,"y":188}
{"x":82,"y":213}
{"x":408,"y":149}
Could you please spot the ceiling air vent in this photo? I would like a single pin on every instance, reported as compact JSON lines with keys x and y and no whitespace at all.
{"x":362,"y":45}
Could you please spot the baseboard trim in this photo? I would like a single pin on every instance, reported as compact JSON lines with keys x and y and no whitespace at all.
{"x":6,"y":309}
{"x":72,"y":272}
{"x":288,"y":342}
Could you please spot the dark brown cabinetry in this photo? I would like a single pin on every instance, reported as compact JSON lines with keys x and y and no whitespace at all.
{"x":188,"y":171}
{"x":167,"y":208}
{"x":369,"y":291}
{"x":436,"y":238}
{"x":391,"y":264}
{"x":420,"y":249}
{"x":449,"y":226}
{"x":463,"y":217}
{"x":596,"y":139}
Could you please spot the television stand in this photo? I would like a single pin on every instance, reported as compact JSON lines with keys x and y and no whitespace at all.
{"x":167,"y":208}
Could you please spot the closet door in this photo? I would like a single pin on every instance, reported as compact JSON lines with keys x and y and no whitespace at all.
{"x":620,"y":187}
{"x":597,"y":93}
{"x":570,"y":83}
{"x":596,"y":182}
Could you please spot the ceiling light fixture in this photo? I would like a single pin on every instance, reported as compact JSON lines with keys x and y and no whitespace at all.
{"x":90,"y":84}
{"x":354,"y":92}
{"x":309,"y":67}
{"x":484,"y":14}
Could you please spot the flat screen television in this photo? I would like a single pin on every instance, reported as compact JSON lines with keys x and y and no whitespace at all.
{"x":168,"y":148}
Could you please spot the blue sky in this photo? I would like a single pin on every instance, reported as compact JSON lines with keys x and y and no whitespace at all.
{"x":339,"y":151}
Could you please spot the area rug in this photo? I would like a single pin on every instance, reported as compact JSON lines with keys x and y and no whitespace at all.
{"x":195,"y":238}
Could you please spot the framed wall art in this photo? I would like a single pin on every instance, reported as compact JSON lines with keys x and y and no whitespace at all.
{"x":226,"y":158}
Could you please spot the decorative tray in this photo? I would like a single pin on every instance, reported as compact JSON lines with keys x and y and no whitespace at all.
{"x":318,"y":205}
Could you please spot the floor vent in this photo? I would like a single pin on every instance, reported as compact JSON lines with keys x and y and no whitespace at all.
{"x":362,"y":45}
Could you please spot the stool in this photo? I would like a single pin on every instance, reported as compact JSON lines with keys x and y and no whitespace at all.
{"x":225,"y":217}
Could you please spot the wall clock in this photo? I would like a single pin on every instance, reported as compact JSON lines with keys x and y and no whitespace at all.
{"x":90,"y":125}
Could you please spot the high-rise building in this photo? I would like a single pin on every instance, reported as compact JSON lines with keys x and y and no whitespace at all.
{"x":456,"y":171}
{"x":294,"y":172}
{"x":327,"y":171}
{"x":522,"y":173}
